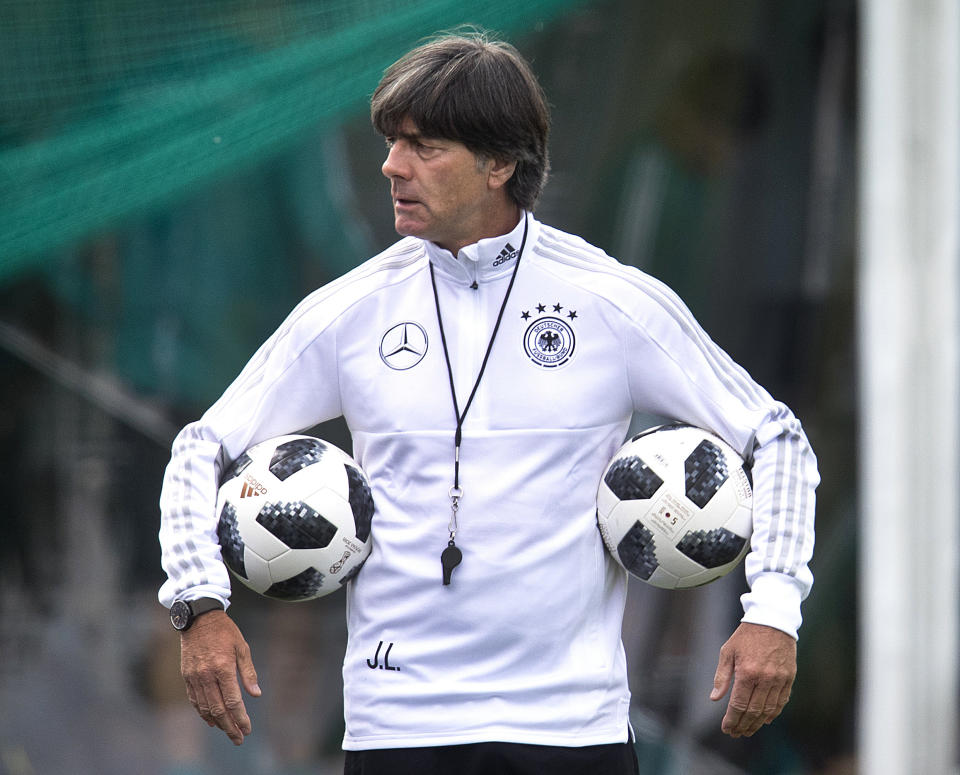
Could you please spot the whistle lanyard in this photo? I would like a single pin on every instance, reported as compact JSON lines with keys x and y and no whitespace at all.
{"x":451,"y":556}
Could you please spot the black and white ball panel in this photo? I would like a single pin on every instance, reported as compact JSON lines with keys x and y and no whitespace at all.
{"x":630,"y":479}
{"x":637,"y":551}
{"x":705,"y":471}
{"x":231,"y":544}
{"x":295,"y":517}
{"x":295,"y":455}
{"x":712,"y":548}
{"x":236,"y":468}
{"x":305,"y":585}
{"x":361,"y":501}
{"x":297,"y":525}
{"x":675,"y":507}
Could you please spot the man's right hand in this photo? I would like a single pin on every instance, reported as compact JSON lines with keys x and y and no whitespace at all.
{"x":212,"y":653}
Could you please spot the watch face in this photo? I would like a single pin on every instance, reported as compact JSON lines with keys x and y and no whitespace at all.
{"x":180,"y":615}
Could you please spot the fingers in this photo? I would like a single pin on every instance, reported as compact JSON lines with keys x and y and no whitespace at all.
{"x":202,"y":705}
{"x":723,"y":676}
{"x":248,"y":674}
{"x":234,"y":712}
{"x":212,"y":654}
{"x":762,"y":665}
{"x":228,"y":711}
{"x":755,"y":700}
{"x":199,"y":702}
{"x":217,"y":700}
{"x":748,"y":710}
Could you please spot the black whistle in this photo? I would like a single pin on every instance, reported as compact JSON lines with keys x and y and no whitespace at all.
{"x":450,"y":558}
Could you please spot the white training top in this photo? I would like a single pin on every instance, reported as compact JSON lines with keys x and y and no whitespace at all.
{"x":524,"y":644}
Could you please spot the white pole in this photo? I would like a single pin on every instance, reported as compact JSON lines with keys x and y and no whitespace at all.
{"x":908,"y":328}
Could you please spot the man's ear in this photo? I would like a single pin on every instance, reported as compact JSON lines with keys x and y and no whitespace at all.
{"x":499,"y":172}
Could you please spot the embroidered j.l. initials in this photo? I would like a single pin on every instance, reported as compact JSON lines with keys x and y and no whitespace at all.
{"x":373,"y":665}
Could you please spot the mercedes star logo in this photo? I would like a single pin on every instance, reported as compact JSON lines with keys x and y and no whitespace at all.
{"x":403,"y":346}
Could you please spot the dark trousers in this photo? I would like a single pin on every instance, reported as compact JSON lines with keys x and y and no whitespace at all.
{"x":495,"y":759}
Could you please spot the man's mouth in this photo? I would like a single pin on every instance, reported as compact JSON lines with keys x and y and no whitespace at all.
{"x":403,"y":198}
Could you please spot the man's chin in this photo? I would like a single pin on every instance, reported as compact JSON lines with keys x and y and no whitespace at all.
{"x":405,"y":228}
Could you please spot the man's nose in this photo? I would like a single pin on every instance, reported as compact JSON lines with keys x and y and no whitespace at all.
{"x":395,"y":165}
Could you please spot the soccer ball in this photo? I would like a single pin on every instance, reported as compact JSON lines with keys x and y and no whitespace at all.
{"x":295,"y":517}
{"x":675,"y":507}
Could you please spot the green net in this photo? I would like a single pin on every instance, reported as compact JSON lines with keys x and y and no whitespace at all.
{"x":109,"y":108}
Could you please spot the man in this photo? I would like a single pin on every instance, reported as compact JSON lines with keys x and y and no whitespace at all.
{"x":488,"y":366}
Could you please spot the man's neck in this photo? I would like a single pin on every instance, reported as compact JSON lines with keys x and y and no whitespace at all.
{"x":502,"y":223}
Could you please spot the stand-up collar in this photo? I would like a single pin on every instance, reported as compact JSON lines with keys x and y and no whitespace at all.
{"x":484,"y":260}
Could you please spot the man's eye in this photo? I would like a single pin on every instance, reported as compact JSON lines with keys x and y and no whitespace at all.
{"x":390,"y":142}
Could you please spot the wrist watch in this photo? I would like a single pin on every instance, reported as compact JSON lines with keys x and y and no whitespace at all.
{"x":183,"y":612}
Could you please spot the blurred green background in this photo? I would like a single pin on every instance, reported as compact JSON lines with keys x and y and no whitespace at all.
{"x":175,"y":176}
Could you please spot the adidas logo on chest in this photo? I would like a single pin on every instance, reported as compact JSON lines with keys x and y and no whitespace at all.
{"x":506,"y":254}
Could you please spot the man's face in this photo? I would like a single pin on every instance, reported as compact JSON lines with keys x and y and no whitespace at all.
{"x":442,"y":193}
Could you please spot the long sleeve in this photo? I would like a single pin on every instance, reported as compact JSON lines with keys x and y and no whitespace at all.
{"x":677,"y":371}
{"x":290,"y":384}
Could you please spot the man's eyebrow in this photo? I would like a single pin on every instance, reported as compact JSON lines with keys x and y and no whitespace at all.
{"x":415,"y":136}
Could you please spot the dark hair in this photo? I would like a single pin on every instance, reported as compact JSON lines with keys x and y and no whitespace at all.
{"x":477,"y":91}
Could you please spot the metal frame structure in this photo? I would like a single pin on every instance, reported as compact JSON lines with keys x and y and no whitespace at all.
{"x":908,"y":295}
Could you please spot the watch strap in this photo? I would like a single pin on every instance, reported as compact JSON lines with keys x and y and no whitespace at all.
{"x":184,"y":612}
{"x":204,"y":604}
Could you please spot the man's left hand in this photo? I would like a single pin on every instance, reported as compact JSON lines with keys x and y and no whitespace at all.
{"x":761,"y":662}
